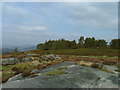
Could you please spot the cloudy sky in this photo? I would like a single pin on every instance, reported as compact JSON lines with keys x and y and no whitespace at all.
{"x":32,"y":23}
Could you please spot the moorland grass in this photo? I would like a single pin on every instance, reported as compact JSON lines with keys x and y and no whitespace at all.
{"x":53,"y":73}
{"x":81,"y":52}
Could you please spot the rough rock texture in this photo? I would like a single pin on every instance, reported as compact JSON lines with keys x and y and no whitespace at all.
{"x":26,"y":60}
{"x":76,"y":77}
{"x":51,"y":57}
{"x":31,"y":54}
{"x":12,"y":61}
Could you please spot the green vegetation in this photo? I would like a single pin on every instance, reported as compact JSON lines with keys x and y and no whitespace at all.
{"x":115,"y":43}
{"x":6,"y":75}
{"x":11,"y":70}
{"x":118,"y":66}
{"x":56,"y":73}
{"x":84,"y":47}
{"x":7,"y":68}
{"x":26,"y":73}
{"x":82,"y":43}
{"x":64,"y":67}
{"x":57,"y":44}
{"x":85,"y":52}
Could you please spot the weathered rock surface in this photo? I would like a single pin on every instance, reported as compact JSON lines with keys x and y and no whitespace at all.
{"x":26,"y":60}
{"x":76,"y":77}
{"x":51,"y":57}
{"x":31,"y":54}
{"x":12,"y":61}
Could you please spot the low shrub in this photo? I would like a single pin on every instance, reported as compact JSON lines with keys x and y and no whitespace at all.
{"x":7,"y":56}
{"x":41,"y":66}
{"x":94,"y":65}
{"x":26,"y":73}
{"x":109,"y":62}
{"x":83,"y":63}
{"x":34,"y":75}
{"x":6,"y":76}
{"x":15,"y":69}
{"x":18,"y":70}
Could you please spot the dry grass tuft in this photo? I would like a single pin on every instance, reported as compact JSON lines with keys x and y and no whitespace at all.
{"x":84,"y":63}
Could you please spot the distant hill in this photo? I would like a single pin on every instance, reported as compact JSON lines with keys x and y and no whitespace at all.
{"x":25,"y":48}
{"x":5,"y":50}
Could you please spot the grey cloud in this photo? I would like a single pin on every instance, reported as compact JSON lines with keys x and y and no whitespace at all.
{"x":98,"y":15}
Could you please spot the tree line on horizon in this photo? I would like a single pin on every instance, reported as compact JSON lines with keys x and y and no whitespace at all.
{"x":82,"y":43}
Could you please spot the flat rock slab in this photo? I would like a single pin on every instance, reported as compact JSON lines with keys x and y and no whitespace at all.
{"x":77,"y":77}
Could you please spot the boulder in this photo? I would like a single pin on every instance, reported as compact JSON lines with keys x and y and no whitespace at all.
{"x":76,"y":77}
{"x":26,"y":60}
{"x":51,"y":57}
{"x":31,"y":54}
{"x":10,"y":61}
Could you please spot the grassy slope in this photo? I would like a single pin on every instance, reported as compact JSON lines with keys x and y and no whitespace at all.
{"x":81,"y":52}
